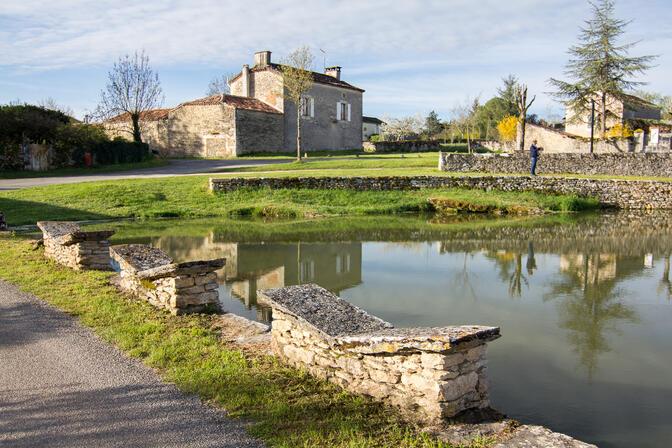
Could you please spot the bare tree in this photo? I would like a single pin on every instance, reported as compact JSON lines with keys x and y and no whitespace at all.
{"x":297,"y":70}
{"x":463,"y":117}
{"x":133,"y":87}
{"x":219,"y":84}
{"x":50,"y":104}
{"x":520,"y":95}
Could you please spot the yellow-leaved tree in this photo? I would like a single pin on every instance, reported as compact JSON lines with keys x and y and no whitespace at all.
{"x":620,"y":131}
{"x":507,"y":128}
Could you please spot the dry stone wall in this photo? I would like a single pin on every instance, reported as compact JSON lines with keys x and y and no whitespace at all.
{"x":403,"y":146}
{"x":67,"y":244}
{"x":150,"y":274}
{"x":626,"y":194}
{"x":629,"y":164}
{"x":429,"y":373}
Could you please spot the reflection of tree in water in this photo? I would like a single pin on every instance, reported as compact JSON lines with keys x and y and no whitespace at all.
{"x":590,"y":306}
{"x":664,"y":285}
{"x":463,"y":280}
{"x":510,"y":270}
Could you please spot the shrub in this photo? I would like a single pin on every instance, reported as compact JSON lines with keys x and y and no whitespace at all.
{"x":620,"y":131}
{"x":508,"y":128}
{"x":375,"y":138}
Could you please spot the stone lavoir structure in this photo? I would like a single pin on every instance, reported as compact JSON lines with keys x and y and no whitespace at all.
{"x":150,"y":274}
{"x":68,"y":245}
{"x":429,"y":373}
{"x":256,"y":117}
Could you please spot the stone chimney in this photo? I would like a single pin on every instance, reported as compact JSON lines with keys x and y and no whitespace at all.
{"x":262,"y":58}
{"x":334,"y":71}
{"x":245,"y":80}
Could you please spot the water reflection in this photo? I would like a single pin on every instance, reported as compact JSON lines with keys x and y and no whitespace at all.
{"x":591,"y":305}
{"x":592,"y":292}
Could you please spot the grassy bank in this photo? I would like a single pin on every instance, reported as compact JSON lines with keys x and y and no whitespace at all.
{"x":381,"y":161}
{"x":81,"y":171}
{"x":288,"y":407}
{"x":189,"y":197}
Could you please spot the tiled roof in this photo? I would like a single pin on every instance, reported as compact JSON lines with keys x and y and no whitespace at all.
{"x":372,"y":120}
{"x":238,"y":102}
{"x":147,"y":115}
{"x":640,"y":101}
{"x":320,"y":78}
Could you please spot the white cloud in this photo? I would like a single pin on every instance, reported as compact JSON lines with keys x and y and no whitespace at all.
{"x":400,"y":51}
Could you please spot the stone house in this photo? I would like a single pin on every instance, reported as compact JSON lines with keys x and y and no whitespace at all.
{"x":255,"y":117}
{"x":619,"y":112}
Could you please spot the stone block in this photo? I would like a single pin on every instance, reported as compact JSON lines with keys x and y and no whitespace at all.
{"x":441,"y":361}
{"x":456,"y":388}
{"x":477,"y":352}
{"x":383,"y":376}
{"x":182,"y":281}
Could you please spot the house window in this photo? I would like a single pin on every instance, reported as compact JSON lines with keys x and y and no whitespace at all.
{"x":343,"y":111}
{"x":308,"y":107}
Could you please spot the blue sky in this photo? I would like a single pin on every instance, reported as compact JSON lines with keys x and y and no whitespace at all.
{"x":410,"y":56}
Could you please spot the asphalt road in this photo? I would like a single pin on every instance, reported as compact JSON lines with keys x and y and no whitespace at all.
{"x":61,"y":386}
{"x":176,"y":167}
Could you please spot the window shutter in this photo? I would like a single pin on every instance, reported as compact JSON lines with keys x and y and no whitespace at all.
{"x":348,"y":111}
{"x":312,"y":107}
{"x":338,"y":111}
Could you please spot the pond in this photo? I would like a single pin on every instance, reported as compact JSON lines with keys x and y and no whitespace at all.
{"x":583,"y":302}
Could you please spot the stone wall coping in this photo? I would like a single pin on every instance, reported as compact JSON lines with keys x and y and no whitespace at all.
{"x":139,"y":257}
{"x":346,"y":326}
{"x":329,"y":315}
{"x":150,"y":263}
{"x":441,"y":339}
{"x":66,"y":233}
{"x":177,"y":269}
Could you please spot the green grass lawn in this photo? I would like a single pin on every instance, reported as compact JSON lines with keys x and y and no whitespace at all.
{"x":288,"y":407}
{"x":81,"y":171}
{"x":368,"y":161}
{"x":188,"y":196}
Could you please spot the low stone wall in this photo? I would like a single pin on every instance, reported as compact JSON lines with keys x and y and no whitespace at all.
{"x":629,"y":164}
{"x":429,"y":373}
{"x":150,"y":274}
{"x":68,"y":245}
{"x":3,"y":223}
{"x":626,"y":194}
{"x":403,"y":146}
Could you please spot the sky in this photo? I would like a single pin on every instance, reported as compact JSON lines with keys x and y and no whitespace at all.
{"x":411,"y":57}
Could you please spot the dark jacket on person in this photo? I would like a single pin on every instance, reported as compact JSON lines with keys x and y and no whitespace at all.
{"x":534,"y":151}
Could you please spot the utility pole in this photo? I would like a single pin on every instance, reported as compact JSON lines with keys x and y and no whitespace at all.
{"x":592,"y":123}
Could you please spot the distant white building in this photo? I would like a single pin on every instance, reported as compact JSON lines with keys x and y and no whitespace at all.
{"x":370,"y":126}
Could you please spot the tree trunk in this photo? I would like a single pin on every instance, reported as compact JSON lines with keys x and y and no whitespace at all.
{"x":468,"y":141}
{"x":135,"y":118}
{"x":521,"y":121}
{"x":603,"y":121}
{"x":298,"y":134}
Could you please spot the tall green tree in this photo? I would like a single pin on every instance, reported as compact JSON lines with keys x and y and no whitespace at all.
{"x":433,"y":125}
{"x":599,"y":68}
{"x":508,"y":94}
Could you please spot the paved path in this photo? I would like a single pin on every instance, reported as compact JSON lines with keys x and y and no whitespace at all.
{"x":61,"y":386}
{"x":176,"y":167}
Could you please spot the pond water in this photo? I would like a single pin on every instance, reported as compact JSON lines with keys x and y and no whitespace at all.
{"x":583,"y":303}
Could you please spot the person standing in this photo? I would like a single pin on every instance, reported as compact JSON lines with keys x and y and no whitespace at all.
{"x":534,"y":155}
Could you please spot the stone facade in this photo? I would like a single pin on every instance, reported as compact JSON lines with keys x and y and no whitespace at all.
{"x":632,"y":164}
{"x":150,"y":274}
{"x":67,"y":244}
{"x":627,"y":194}
{"x":324,"y":127}
{"x":429,"y":373}
{"x":220,"y":126}
{"x":619,"y":111}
